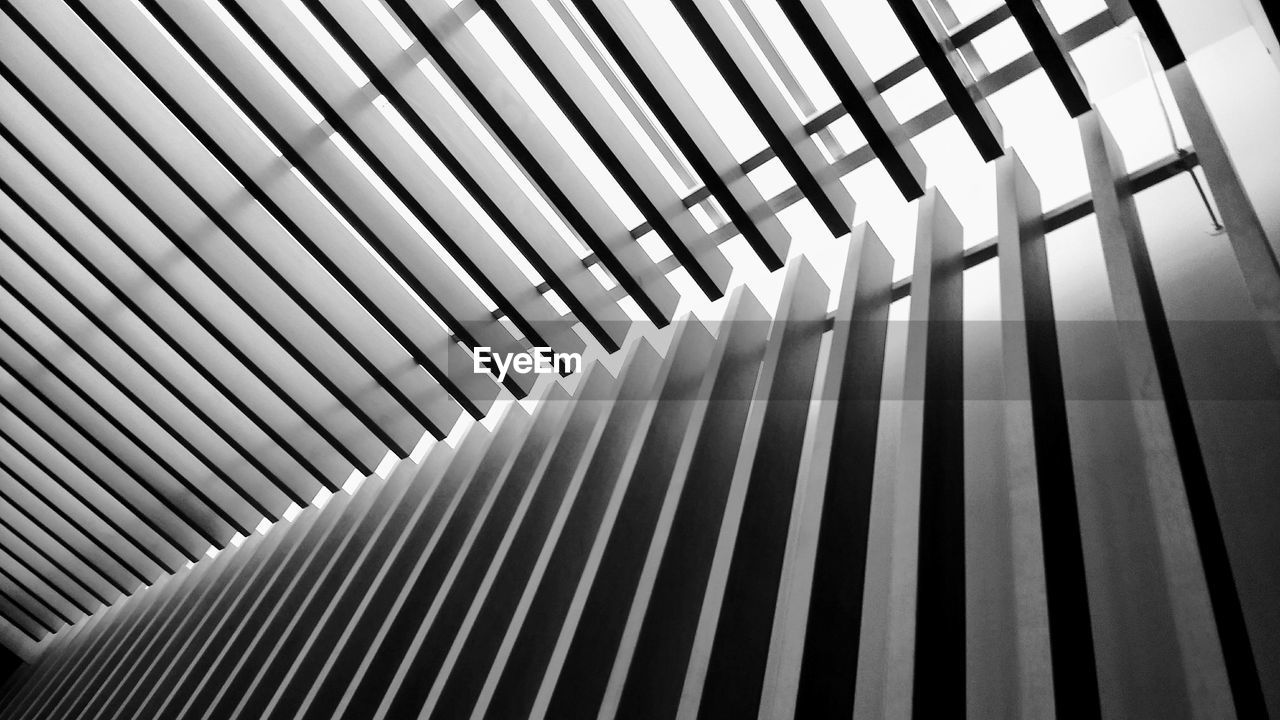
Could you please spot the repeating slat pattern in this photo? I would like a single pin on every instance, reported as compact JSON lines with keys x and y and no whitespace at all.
{"x":248,"y":247}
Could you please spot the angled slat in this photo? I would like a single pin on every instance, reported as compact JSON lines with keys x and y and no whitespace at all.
{"x":671,"y":103}
{"x":254,"y":495}
{"x":261,"y":338}
{"x":131,"y":150}
{"x":1052,"y":54}
{"x":1037,"y":435}
{"x":830,"y":48}
{"x":354,"y":198}
{"x":321,"y":231}
{"x":459,"y":57}
{"x":51,"y":445}
{"x":1178,"y":489}
{"x":1155,"y":25}
{"x":49,"y":200}
{"x":280,"y":34}
{"x":50,"y":553}
{"x":764,"y":102}
{"x":460,"y":148}
{"x":50,"y":581}
{"x":394,"y":393}
{"x":54,"y":512}
{"x":566,"y":526}
{"x":958,"y":85}
{"x":174,"y":492}
{"x":550,"y":60}
{"x":158,"y":430}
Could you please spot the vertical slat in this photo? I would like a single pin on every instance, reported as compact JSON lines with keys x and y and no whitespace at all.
{"x":164,"y":687}
{"x":371,"y":660}
{"x":549,"y":521}
{"x":856,"y":90}
{"x":1256,"y":257}
{"x":145,"y":612}
{"x":1037,"y":439}
{"x":926,"y":675}
{"x":575,"y":682}
{"x":764,"y":102}
{"x":404,"y":532}
{"x":413,"y":545}
{"x":498,"y":567}
{"x":656,"y":635}
{"x":379,"y":632}
{"x":727,"y":663}
{"x":822,"y":603}
{"x":533,"y":653}
{"x":1205,"y":611}
{"x":958,"y":85}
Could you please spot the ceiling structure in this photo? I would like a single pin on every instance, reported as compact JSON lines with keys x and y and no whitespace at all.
{"x":248,"y":247}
